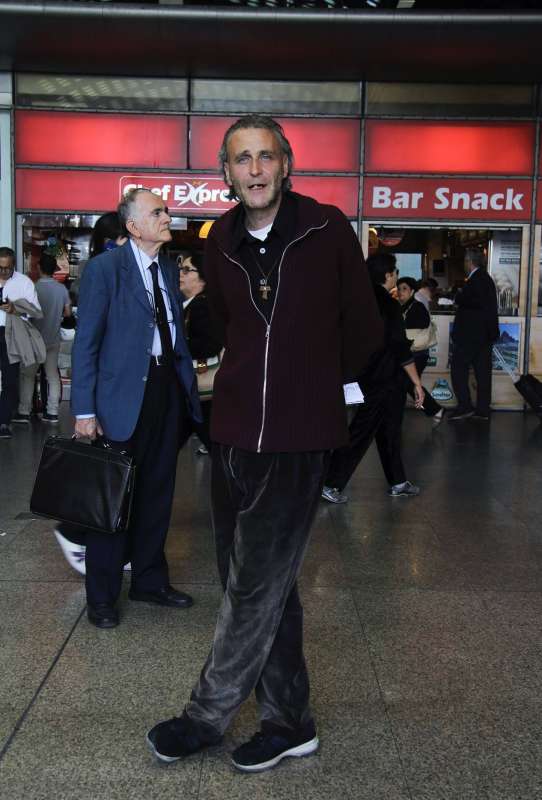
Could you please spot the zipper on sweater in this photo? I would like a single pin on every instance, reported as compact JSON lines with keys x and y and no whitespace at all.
{"x":268,"y":324}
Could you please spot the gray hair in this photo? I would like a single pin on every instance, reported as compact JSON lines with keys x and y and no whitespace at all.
{"x":125,"y":208}
{"x":257,"y":121}
{"x":476,"y":257}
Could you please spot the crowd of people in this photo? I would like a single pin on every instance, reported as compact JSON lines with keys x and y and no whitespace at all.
{"x":279,"y":316}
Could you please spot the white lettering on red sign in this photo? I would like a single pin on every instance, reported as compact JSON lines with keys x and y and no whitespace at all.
{"x":444,"y":198}
{"x":184,"y":193}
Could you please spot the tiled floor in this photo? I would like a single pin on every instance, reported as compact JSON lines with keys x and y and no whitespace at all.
{"x":423,"y":637}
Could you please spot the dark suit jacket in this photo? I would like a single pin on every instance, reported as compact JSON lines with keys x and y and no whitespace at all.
{"x":202,"y":338}
{"x":476,"y":322}
{"x":113,"y":344}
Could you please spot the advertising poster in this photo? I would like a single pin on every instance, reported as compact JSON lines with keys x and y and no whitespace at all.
{"x":504,"y":263}
{"x":509,"y":345}
{"x":509,"y":342}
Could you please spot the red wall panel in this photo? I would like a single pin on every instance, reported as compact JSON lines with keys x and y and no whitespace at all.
{"x":449,"y":147}
{"x":323,"y":145}
{"x":189,"y":194}
{"x":101,"y":140}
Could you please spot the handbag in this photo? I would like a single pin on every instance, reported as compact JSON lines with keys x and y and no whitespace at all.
{"x":206,"y":370}
{"x":89,"y":485}
{"x":422,"y":338}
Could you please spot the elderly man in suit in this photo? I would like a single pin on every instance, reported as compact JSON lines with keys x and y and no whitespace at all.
{"x":476,"y":327}
{"x":133,"y":381}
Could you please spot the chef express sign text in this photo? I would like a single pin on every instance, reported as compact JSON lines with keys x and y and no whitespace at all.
{"x":183,"y":192}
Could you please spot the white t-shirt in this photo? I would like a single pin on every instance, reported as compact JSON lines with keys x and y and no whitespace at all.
{"x":18,"y":287}
{"x":261,"y":233}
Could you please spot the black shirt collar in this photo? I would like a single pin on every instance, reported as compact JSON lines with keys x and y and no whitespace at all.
{"x":284,"y":224}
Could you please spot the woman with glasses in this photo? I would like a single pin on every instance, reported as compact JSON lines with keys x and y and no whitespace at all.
{"x":202,"y":339}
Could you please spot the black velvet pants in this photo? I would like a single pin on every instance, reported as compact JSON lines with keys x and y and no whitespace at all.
{"x":263,"y":505}
{"x":379,"y":418}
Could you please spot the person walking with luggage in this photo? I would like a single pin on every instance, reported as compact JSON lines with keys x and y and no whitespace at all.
{"x":13,"y":286}
{"x":133,"y":381}
{"x":380,"y":416}
{"x":55,"y":304}
{"x":419,"y":331}
{"x":288,"y":287}
{"x":476,"y":327}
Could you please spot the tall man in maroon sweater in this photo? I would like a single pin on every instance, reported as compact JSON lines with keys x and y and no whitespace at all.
{"x":288,"y":286}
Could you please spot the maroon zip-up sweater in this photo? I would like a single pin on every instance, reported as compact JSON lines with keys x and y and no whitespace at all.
{"x":279,"y":387}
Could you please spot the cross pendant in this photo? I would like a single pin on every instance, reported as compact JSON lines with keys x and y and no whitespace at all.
{"x":264,"y":289}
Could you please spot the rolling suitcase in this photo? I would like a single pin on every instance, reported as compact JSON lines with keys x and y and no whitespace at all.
{"x":529,"y":387}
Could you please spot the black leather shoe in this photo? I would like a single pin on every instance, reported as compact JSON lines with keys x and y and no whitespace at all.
{"x":103,"y":615}
{"x":166,"y":596}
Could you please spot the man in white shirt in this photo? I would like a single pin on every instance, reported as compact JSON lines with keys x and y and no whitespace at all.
{"x":55,"y":304}
{"x":13,"y":286}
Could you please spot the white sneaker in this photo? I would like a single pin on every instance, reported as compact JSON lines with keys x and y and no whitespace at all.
{"x":73,"y":553}
{"x":333,"y":495}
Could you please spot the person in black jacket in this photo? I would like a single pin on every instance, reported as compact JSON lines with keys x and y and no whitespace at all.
{"x":201,"y":335}
{"x":416,"y":315}
{"x":380,"y":416}
{"x":476,"y":327}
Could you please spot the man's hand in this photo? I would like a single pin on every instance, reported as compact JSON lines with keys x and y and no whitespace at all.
{"x":8,"y":307}
{"x":419,"y":396}
{"x":87,"y":428}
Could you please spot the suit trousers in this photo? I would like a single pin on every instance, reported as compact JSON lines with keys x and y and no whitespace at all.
{"x":154,"y":446}
{"x":263,"y":505}
{"x":379,"y":418}
{"x":481,"y":362}
{"x":10,"y":382}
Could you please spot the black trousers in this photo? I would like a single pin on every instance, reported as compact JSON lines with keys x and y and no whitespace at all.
{"x":9,"y":395}
{"x":380,"y":418}
{"x":430,"y":405}
{"x":202,"y":428}
{"x":155,"y":446}
{"x":263,"y":506}
{"x":481,"y":362}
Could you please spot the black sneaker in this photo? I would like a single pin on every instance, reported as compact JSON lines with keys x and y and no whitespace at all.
{"x":5,"y":432}
{"x":53,"y":418}
{"x":265,"y":750}
{"x":174,"y":739}
{"x":21,"y":419}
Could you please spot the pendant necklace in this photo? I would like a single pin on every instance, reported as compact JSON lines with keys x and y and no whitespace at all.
{"x":264,"y":285}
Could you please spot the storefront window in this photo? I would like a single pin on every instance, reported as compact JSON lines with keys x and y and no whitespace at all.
{"x":449,"y":100}
{"x":104,"y":93}
{"x":276,"y":97}
{"x":438,"y":253}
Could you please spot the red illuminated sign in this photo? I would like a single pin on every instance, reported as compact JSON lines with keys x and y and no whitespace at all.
{"x":186,"y":195}
{"x":449,"y":147}
{"x":101,"y":140}
{"x":326,"y":145}
{"x":447,"y":198}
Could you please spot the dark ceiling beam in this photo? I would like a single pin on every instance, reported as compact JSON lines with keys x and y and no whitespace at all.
{"x":181,"y":41}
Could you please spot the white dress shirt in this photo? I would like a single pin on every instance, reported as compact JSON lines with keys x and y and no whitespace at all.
{"x":18,"y":287}
{"x":144,"y":262}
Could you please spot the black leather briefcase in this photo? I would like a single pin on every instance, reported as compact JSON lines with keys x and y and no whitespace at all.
{"x":89,"y":485}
